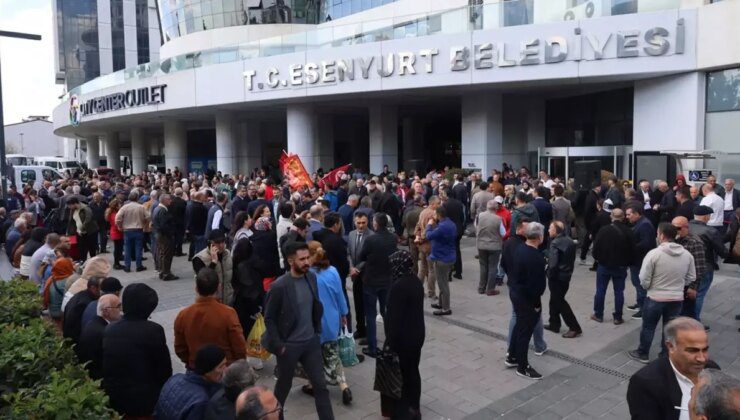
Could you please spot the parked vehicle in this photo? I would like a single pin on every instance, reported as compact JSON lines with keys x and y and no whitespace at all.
{"x":64,"y":165}
{"x":25,"y":174}
{"x":17,"y":159}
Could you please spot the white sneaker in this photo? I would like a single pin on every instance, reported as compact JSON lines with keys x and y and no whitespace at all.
{"x":379,"y":319}
{"x":540,"y":353}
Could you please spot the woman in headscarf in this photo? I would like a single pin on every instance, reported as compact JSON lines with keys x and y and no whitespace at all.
{"x":404,"y":332}
{"x":94,"y":267}
{"x":332,"y":320}
{"x":61,"y":270}
{"x":264,"y":240}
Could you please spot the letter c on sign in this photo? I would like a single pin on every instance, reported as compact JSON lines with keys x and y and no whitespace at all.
{"x":272,"y":80}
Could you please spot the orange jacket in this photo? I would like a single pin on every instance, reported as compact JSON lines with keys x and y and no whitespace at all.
{"x":208,"y":322}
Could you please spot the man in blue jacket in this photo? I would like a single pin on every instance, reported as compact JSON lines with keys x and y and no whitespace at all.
{"x":442,"y":233}
{"x":644,"y":240}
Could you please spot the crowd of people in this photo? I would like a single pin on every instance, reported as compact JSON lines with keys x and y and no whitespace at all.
{"x":261,"y":248}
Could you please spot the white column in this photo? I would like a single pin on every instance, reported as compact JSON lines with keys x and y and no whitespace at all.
{"x":383,"y":138}
{"x":324,"y":146}
{"x":113,"y":150}
{"x":138,"y":150}
{"x":93,"y":152}
{"x":249,"y":147}
{"x":101,"y":146}
{"x":482,"y":132}
{"x":175,"y":146}
{"x":226,"y":148}
{"x":302,"y":133}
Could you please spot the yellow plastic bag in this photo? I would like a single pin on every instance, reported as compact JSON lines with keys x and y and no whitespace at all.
{"x":254,"y":344}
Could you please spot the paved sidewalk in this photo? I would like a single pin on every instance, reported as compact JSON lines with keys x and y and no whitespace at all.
{"x":462,"y":360}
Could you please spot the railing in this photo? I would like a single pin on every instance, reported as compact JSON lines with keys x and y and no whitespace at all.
{"x":454,"y":21}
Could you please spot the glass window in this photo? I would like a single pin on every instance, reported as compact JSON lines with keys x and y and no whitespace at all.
{"x":77,"y":26}
{"x":723,"y":90}
{"x":117,"y":37}
{"x":28,"y":175}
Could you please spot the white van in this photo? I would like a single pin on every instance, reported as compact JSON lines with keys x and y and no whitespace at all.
{"x":70,"y":167}
{"x":22,"y":175}
{"x":16,"y":159}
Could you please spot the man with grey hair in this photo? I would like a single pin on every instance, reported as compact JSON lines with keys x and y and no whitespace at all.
{"x":164,"y":225}
{"x":237,"y":378}
{"x":316,"y":222}
{"x":526,"y":294}
{"x":716,"y":396}
{"x":131,"y":219}
{"x":90,"y":347}
{"x":662,"y":389}
{"x":613,"y":250}
{"x":717,"y":204}
{"x":258,"y":403}
{"x":489,"y":233}
{"x":731,"y":197}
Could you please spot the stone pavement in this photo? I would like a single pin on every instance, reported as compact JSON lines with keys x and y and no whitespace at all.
{"x":462,"y":360}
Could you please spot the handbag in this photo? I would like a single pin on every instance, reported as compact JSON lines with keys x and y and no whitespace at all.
{"x":346,"y":344}
{"x":388,"y":379}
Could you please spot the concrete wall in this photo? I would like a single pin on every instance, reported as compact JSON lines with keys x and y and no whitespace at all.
{"x":37,"y":140}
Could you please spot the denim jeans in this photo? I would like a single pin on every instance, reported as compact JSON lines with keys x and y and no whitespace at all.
{"x":652,"y":311}
{"x":603,"y":275}
{"x":153,"y":248}
{"x":538,"y":336}
{"x":373,"y":295}
{"x":701,"y":292}
{"x":635,"y":277}
{"x":133,"y":240}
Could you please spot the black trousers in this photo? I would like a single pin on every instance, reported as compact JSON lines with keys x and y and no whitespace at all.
{"x":309,"y":354}
{"x":411,"y":388}
{"x":102,"y":238}
{"x":458,"y":257}
{"x":179,"y":239}
{"x":586,"y":244}
{"x":87,"y":244}
{"x":359,"y":299}
{"x":526,"y":320}
{"x":560,"y":307}
{"x":117,"y":251}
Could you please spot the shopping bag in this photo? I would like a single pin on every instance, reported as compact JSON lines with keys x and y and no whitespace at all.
{"x":388,"y":379}
{"x":254,"y":345}
{"x":347,"y":349}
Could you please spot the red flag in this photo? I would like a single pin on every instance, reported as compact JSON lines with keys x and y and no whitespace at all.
{"x":332,"y":178}
{"x":294,"y":171}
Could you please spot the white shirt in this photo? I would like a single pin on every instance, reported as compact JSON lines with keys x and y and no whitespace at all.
{"x":728,"y":201}
{"x":718,"y":205}
{"x":646,"y":199}
{"x":686,"y":386}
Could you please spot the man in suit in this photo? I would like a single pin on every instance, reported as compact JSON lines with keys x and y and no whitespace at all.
{"x":316,"y":222}
{"x":293,"y":314}
{"x":90,"y":348}
{"x":356,"y":240}
{"x":544,"y":210}
{"x":662,"y":389}
{"x":456,"y":213}
{"x":731,"y":195}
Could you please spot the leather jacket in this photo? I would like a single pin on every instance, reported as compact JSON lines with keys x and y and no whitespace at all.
{"x":562,"y":257}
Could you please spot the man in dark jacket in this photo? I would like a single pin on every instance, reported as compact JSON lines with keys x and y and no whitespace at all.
{"x":164,"y":225}
{"x":456,"y":213}
{"x":186,"y":395}
{"x":590,"y":210}
{"x":336,"y":250}
{"x":713,"y":247}
{"x":293,"y":321}
{"x":72,"y":326}
{"x":241,"y":201}
{"x":544,"y":211}
{"x":177,"y":210}
{"x":613,"y":251}
{"x":643,"y":234}
{"x":376,"y":275}
{"x":195,"y":224}
{"x":662,"y":389}
{"x":685,"y":205}
{"x":90,"y":347}
{"x":561,"y":259}
{"x":238,"y":377}
{"x":136,"y":360}
{"x":526,"y":294}
{"x":98,"y":206}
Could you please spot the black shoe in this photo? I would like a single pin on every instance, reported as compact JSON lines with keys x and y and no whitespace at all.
{"x":549,"y":327}
{"x":126,"y":270}
{"x":170,"y":277}
{"x":618,"y":321}
{"x":634,"y":307}
{"x":592,"y":269}
{"x":510,"y":362}
{"x":637,"y":315}
{"x":362,"y":341}
{"x":366,"y":351}
{"x":346,"y":396}
{"x":442,"y":312}
{"x":307,"y":389}
{"x":139,"y":269}
{"x":636,"y":355}
{"x":436,"y":306}
{"x":706,"y":328}
{"x":737,"y":317}
{"x":529,"y":373}
{"x":144,"y":258}
{"x":357,"y":335}
{"x":118,"y":267}
{"x":361,"y":357}
{"x":458,"y":276}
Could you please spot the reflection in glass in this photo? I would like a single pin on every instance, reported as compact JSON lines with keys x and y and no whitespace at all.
{"x":77,"y":29}
{"x":723,"y":90}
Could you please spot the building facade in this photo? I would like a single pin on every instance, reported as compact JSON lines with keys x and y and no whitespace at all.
{"x":34,"y":136}
{"x":420,"y":84}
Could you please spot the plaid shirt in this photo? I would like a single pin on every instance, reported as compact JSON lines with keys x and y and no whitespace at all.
{"x":695,"y":246}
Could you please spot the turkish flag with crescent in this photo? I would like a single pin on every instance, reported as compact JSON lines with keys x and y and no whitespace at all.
{"x":333,"y":177}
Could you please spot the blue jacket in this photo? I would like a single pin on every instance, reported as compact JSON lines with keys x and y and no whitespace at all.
{"x":185,"y":396}
{"x":644,"y":234}
{"x":443,"y":239}
{"x":346,"y":212}
{"x":333,"y":301}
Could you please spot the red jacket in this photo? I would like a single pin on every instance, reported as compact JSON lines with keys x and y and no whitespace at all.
{"x":115,"y":233}
{"x":505,"y":215}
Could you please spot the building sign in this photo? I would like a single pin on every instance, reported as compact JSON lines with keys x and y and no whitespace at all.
{"x":131,"y":98}
{"x":699,"y":175}
{"x":652,"y":42}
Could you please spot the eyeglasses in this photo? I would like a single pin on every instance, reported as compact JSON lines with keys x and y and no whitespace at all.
{"x":278,"y":409}
{"x":119,"y":306}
